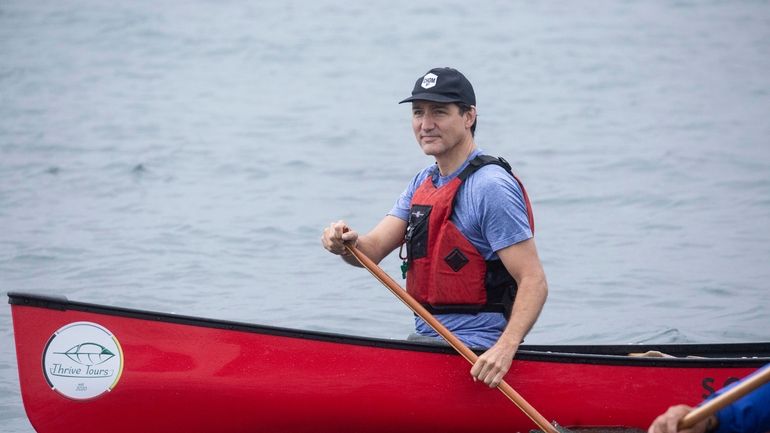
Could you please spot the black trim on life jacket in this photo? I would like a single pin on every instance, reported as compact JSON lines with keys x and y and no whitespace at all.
{"x":480,"y":161}
{"x":416,"y":238}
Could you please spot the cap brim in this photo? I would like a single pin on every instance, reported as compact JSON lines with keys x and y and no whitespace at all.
{"x":430,"y":97}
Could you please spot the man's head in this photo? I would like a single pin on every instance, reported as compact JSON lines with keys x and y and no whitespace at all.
{"x":445,"y":85}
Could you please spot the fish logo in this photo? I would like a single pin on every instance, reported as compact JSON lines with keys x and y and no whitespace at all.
{"x":82,"y":360}
{"x":89,"y":354}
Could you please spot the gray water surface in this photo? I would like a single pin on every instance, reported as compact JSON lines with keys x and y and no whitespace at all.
{"x":184,"y":157}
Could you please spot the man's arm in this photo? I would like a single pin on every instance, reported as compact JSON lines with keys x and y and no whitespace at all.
{"x":378,"y":243}
{"x":522,"y":262}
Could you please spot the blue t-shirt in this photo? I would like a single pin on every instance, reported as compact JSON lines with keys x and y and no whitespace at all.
{"x":491,"y":213}
{"x":748,"y":414}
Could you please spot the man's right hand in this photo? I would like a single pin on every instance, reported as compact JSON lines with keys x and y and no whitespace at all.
{"x":336,"y":235}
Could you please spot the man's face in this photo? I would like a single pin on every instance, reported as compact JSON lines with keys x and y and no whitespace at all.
{"x":439,"y":127}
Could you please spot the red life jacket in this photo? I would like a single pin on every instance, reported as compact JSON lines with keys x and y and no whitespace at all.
{"x":446,"y":273}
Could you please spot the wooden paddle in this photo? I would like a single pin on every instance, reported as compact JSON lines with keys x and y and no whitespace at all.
{"x":712,"y":406}
{"x":458,"y":345}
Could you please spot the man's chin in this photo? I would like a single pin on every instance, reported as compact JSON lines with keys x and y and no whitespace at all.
{"x":430,"y":146}
{"x":428,"y":149}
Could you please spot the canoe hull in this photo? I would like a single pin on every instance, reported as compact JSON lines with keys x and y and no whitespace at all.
{"x":198,"y":375}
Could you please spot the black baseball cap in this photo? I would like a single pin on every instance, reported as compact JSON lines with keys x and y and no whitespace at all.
{"x":443,"y":85}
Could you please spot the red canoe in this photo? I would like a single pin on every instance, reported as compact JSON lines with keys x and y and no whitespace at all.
{"x":91,"y":368}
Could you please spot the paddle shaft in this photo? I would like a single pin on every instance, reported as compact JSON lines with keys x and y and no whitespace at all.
{"x":712,"y":406}
{"x":453,"y":341}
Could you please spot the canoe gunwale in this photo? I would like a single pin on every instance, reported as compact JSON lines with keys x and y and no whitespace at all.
{"x":709,"y":355}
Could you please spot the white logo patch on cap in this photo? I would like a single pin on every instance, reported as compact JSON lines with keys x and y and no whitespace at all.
{"x":429,"y":80}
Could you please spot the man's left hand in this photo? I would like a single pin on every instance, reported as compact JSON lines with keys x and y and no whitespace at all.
{"x":493,"y":364}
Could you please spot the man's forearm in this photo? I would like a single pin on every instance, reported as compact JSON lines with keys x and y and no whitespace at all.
{"x":530,"y":298}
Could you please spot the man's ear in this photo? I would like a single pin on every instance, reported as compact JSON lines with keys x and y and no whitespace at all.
{"x":470,"y":116}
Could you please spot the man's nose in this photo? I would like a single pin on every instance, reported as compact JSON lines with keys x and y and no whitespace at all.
{"x":427,"y":122}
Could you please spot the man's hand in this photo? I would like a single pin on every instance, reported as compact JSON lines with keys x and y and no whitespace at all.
{"x":494,"y":363}
{"x":336,"y":235}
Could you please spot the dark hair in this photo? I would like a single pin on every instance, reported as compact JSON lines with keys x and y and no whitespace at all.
{"x":464,"y":108}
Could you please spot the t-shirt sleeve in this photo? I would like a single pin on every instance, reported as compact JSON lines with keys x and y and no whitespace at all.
{"x":400,"y":209}
{"x":502,"y":210}
{"x":404,"y":203}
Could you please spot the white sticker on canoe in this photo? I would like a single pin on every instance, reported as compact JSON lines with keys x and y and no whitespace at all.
{"x":82,"y":360}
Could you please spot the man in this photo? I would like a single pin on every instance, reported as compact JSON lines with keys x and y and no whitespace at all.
{"x":467,"y":227}
{"x":749,"y":414}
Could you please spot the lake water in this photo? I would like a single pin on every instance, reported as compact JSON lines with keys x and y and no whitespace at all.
{"x":184,"y":156}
